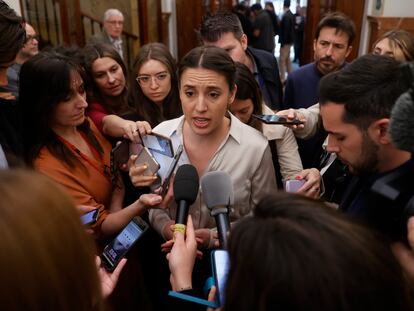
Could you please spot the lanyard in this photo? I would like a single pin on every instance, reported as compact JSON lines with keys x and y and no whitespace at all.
{"x":103,"y":171}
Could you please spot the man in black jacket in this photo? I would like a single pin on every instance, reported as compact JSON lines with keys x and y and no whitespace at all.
{"x":12,"y":38}
{"x":225,"y":31}
{"x":286,"y":38}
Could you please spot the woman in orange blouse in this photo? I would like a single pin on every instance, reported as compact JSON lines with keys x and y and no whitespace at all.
{"x":65,"y":145}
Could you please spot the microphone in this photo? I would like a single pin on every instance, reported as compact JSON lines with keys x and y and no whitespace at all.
{"x":217,"y":190}
{"x":185,"y":188}
{"x":402,"y":123}
{"x":402,"y":114}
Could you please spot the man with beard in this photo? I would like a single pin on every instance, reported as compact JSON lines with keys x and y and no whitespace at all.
{"x":332,"y":44}
{"x":355,"y":106}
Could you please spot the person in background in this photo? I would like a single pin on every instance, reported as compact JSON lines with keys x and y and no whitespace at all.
{"x":153,"y":93}
{"x":263,"y":30}
{"x":348,"y":267}
{"x":113,"y":25}
{"x":241,"y":10}
{"x":397,"y":43}
{"x":270,"y":9}
{"x":286,"y":39}
{"x":12,"y":38}
{"x":282,"y":142}
{"x":106,"y":83}
{"x":333,"y":43}
{"x":299,"y":32}
{"x":63,"y":273}
{"x":62,"y":143}
{"x":28,"y":50}
{"x":224,"y":30}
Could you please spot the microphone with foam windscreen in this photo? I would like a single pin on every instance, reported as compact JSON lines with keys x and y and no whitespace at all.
{"x":402,"y":114}
{"x":217,"y":190}
{"x":185,"y":188}
{"x":401,"y":127}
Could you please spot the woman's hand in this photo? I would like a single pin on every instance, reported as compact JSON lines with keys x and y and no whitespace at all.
{"x":312,"y":178}
{"x":132,"y":129}
{"x":107,"y":279}
{"x":182,"y":257}
{"x":136,"y":173}
{"x":206,"y":238}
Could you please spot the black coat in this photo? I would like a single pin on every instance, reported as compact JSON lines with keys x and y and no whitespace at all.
{"x":267,"y":66}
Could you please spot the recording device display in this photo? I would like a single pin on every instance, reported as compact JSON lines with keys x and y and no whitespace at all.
{"x":275,"y":119}
{"x":158,"y":143}
{"x":123,"y":242}
{"x":145,"y":157}
{"x":294,"y":185}
{"x":90,"y":217}
{"x":119,"y":155}
{"x":173,"y":165}
{"x":221,"y":264}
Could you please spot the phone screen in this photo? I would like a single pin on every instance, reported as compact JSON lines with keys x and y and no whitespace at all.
{"x":158,"y":143}
{"x":117,"y":249}
{"x":221,"y":264}
{"x":275,"y":119}
{"x":90,"y":217}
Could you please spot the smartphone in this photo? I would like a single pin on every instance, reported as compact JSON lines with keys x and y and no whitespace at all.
{"x":221,"y":263}
{"x":294,"y":185}
{"x":158,"y":143}
{"x":146,"y":157}
{"x":119,"y":155}
{"x":171,"y":169}
{"x":90,"y":217}
{"x":123,"y":242}
{"x":275,"y":119}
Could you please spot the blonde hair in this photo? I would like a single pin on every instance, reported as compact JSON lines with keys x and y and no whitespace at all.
{"x":401,"y":40}
{"x":47,"y":260}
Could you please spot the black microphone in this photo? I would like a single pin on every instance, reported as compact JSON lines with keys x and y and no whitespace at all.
{"x":217,"y":190}
{"x":185,"y":187}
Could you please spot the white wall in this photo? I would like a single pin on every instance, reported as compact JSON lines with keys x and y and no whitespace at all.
{"x":14,"y":4}
{"x":390,"y":8}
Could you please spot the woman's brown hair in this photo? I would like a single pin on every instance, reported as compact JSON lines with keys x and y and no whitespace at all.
{"x":399,"y":39}
{"x":114,"y":105}
{"x":47,"y":260}
{"x":148,"y":110}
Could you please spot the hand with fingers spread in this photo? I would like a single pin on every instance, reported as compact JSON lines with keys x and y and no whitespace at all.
{"x":312,"y":186}
{"x":182,"y":257}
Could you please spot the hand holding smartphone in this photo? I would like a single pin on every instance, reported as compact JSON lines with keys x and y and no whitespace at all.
{"x":123,"y":242}
{"x":90,"y":218}
{"x":275,"y":119}
{"x":221,"y":264}
{"x":145,"y":157}
{"x":294,"y":185}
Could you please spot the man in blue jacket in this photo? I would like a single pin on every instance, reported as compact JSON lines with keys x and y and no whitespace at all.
{"x":225,"y":31}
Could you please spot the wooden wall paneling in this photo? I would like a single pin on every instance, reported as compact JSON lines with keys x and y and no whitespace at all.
{"x":380,"y":25}
{"x":189,"y":16}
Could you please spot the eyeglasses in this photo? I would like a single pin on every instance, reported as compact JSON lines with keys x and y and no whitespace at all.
{"x":145,"y":80}
{"x":31,"y":38}
{"x":113,"y":23}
